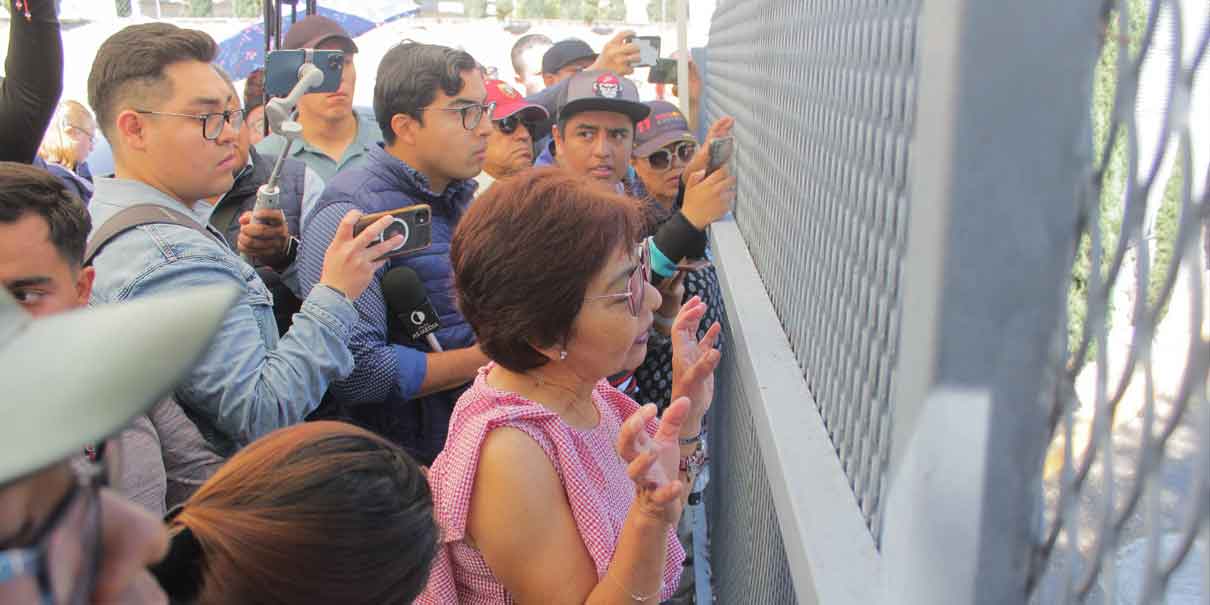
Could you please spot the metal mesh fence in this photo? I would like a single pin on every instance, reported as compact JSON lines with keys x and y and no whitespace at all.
{"x":744,"y":533}
{"x":1126,"y":498}
{"x":823,"y":93}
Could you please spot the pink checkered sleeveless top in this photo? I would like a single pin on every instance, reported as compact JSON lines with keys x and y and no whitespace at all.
{"x":586,"y":462}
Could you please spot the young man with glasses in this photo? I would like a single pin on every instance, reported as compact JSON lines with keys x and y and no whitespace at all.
{"x":510,"y":146}
{"x":335,"y":136}
{"x":65,"y":537}
{"x":165,"y":110}
{"x":432,"y":106}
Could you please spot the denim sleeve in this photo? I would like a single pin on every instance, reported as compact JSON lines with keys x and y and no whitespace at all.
{"x":245,"y":387}
{"x":382,"y":371}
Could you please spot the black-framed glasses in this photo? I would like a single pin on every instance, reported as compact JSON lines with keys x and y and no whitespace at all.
{"x":661,"y":159}
{"x":89,"y":135}
{"x":636,"y":284}
{"x":212,"y":123}
{"x":471,"y":114}
{"x":62,"y":563}
{"x":509,"y":125}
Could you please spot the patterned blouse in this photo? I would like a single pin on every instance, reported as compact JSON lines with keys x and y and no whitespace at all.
{"x":586,"y":462}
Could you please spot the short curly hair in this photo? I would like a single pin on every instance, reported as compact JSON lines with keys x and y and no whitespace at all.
{"x":525,"y":253}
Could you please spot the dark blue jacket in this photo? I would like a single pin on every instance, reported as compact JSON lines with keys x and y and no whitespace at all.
{"x":382,"y":390}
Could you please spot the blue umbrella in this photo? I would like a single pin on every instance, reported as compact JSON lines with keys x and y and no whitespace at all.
{"x":242,"y":53}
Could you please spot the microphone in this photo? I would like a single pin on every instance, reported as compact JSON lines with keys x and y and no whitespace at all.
{"x":408,"y":301}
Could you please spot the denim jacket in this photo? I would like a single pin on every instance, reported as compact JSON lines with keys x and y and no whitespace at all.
{"x":249,"y":382}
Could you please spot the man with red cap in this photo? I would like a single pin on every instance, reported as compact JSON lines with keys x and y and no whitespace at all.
{"x":510,"y":146}
{"x":335,"y":136}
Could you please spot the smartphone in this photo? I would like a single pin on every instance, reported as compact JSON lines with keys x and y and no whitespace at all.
{"x":721,"y":150}
{"x":689,"y":265}
{"x":414,"y":223}
{"x":663,"y":72}
{"x":649,"y":50}
{"x":281,"y":69}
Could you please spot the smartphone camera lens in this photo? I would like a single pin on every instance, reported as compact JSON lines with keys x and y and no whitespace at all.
{"x":422,"y":217}
{"x":397,"y":227}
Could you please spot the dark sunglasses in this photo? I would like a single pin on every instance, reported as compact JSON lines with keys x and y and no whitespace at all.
{"x":510,"y":124}
{"x":661,"y":159}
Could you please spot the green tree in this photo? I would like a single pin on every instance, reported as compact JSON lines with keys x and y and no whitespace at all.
{"x":504,"y":8}
{"x":658,"y":10}
{"x":592,"y":11}
{"x":474,"y":8}
{"x":532,"y":8}
{"x":552,"y":9}
{"x":617,"y":10}
{"x":200,"y":8}
{"x":249,"y":8}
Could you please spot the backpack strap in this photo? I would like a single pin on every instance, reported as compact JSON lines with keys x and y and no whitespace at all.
{"x":136,"y":216}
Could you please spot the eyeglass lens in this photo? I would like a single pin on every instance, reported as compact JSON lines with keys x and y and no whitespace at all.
{"x":638,"y":282}
{"x":213,"y":125}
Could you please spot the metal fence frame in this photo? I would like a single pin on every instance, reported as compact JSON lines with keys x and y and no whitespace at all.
{"x":995,"y":175}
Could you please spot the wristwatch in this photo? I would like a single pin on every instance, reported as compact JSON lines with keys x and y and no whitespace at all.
{"x":289,"y":255}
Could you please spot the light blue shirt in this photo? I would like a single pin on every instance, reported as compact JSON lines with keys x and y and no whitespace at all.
{"x":369,"y":135}
{"x":249,"y":382}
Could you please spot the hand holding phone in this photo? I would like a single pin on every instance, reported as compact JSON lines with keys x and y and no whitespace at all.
{"x":689,"y":265}
{"x":649,"y":50}
{"x":721,"y":150}
{"x":414,"y":223}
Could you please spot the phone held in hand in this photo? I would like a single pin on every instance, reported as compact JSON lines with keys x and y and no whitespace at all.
{"x":721,"y":150}
{"x":414,"y":223}
{"x":649,"y":50}
{"x":281,"y":69}
{"x":663,"y":72}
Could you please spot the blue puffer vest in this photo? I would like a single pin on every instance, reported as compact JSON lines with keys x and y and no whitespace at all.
{"x":385,"y":183}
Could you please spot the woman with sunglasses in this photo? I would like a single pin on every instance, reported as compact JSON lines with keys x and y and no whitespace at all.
{"x":554,"y":487}
{"x":663,"y":147}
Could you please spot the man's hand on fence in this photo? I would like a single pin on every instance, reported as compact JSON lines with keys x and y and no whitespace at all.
{"x":693,"y":363}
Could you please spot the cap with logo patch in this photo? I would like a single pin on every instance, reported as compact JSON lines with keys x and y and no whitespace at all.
{"x":665,"y":125}
{"x":599,"y":90}
{"x":509,"y":102}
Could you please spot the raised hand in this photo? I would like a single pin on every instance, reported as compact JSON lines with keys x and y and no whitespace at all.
{"x":619,"y":55}
{"x":351,"y":260}
{"x":653,"y":462}
{"x":694,"y":362}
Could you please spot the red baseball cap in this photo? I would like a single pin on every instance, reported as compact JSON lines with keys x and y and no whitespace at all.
{"x":509,"y":102}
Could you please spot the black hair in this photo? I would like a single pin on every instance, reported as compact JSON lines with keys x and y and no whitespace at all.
{"x":409,"y":77}
{"x":25,"y":189}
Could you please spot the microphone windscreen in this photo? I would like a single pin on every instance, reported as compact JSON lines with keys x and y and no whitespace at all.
{"x":403,"y":290}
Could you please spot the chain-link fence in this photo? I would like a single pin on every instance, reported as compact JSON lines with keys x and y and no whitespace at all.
{"x":981,"y":228}
{"x":1126,"y":498}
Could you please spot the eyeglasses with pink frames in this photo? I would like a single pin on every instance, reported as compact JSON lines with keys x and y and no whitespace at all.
{"x":636,"y":284}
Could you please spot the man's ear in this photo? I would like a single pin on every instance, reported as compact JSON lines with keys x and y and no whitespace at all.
{"x":405,"y":128}
{"x":556,"y":136}
{"x":131,"y":130}
{"x":549,"y":80}
{"x":84,"y":281}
